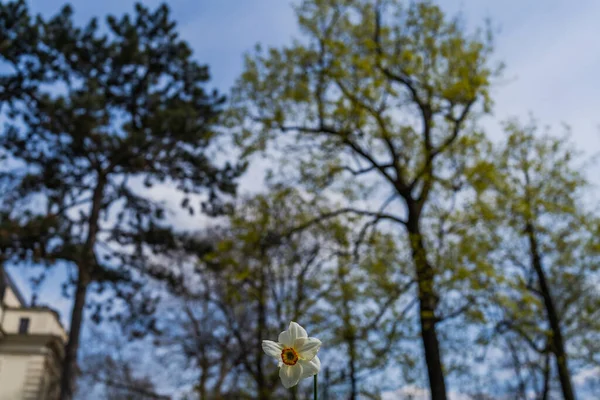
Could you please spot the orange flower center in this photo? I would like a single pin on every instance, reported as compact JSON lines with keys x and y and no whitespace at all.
{"x":289,"y":356}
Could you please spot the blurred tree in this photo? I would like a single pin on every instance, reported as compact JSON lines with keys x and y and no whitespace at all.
{"x":92,"y":113}
{"x":372,"y":102}
{"x":114,"y":375}
{"x":244,"y":291}
{"x":532,"y":199}
{"x":264,"y":273}
{"x":368,"y":311}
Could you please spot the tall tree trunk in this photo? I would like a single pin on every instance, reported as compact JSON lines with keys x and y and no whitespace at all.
{"x":326,"y":385}
{"x":263,"y":391}
{"x":546,"y":388}
{"x":428,"y":300}
{"x":521,"y":389}
{"x":70,"y":361}
{"x":353,"y":383}
{"x":85,"y":265}
{"x":349,"y":331}
{"x":224,"y":369}
{"x":558,"y":344}
{"x":204,"y":367}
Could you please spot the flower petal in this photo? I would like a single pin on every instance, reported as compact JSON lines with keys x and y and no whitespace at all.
{"x":310,"y":368}
{"x":272,"y":348}
{"x":296,"y":331}
{"x":290,"y":375}
{"x":307,"y":347}
{"x":285,"y":339}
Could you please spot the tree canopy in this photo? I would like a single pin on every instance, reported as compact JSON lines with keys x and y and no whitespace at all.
{"x":427,"y":255}
{"x":95,"y":114}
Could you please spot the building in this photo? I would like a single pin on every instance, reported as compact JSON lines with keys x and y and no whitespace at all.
{"x":31,"y":346}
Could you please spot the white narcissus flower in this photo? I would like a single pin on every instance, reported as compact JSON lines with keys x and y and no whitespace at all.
{"x":296,"y":353}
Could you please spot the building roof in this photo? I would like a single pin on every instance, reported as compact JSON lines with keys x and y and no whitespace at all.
{"x":6,"y":281}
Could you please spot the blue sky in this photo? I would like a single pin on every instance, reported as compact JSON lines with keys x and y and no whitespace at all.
{"x":550,"y":48}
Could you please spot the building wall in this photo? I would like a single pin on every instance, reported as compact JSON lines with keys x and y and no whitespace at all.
{"x":24,"y":377}
{"x":13,"y":370}
{"x":29,"y":361}
{"x":40,"y":323}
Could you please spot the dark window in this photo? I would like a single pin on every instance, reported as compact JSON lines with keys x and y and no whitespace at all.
{"x":23,"y":326}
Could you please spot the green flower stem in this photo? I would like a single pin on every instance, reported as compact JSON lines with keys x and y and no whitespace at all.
{"x":315,"y":387}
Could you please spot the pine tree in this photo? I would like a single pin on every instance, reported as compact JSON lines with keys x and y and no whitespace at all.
{"x":92,"y":113}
